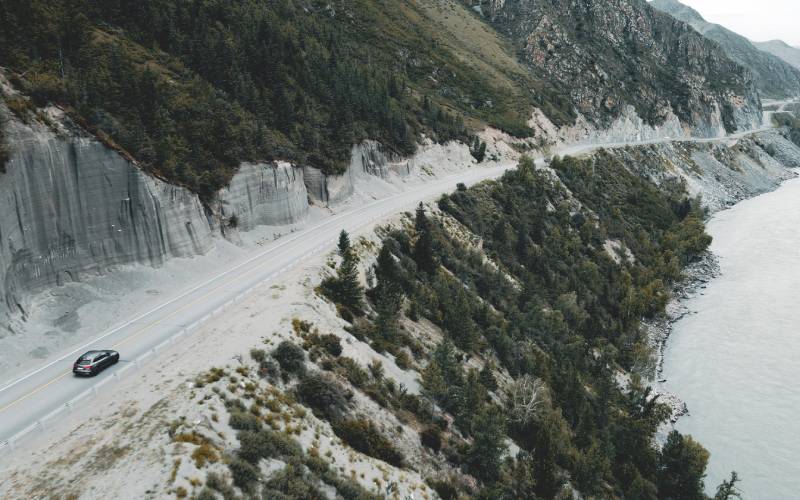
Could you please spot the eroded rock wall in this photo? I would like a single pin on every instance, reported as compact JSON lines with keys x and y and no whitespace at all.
{"x":366,"y":159}
{"x":265,"y":194}
{"x":69,"y":206}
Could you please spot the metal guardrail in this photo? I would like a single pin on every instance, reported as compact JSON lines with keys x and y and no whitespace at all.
{"x":9,"y":445}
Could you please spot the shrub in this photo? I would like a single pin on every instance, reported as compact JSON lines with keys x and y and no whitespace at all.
{"x":269,"y":369}
{"x":362,"y":435}
{"x":376,"y":369}
{"x":244,"y":474}
{"x":266,"y":444}
{"x":215,"y":482}
{"x":402,"y":360}
{"x":431,"y":437}
{"x":292,"y":482}
{"x":329,"y":343}
{"x":443,"y":488}
{"x":205,"y":453}
{"x":244,"y":421}
{"x":353,"y":372}
{"x":377,"y":394}
{"x":291,"y":357}
{"x":412,"y":403}
{"x":258,"y":355}
{"x":324,"y":395}
{"x":206,"y":494}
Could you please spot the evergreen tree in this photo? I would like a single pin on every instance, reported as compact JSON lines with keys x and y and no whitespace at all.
{"x":345,"y":288}
{"x":423,"y":248}
{"x":349,"y":289}
{"x":478,"y":150}
{"x":681,"y":468}
{"x":485,"y":454}
{"x":344,"y":244}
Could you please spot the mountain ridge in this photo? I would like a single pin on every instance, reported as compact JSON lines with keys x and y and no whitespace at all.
{"x":775,"y":77}
{"x":609,"y":55}
{"x":781,"y":49}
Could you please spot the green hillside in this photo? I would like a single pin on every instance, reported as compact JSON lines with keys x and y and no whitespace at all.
{"x":190,"y":88}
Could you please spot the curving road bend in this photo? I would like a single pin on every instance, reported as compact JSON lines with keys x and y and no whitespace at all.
{"x":31,"y":401}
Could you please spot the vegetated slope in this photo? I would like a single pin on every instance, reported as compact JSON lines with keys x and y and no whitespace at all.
{"x":537,"y":337}
{"x":192,"y":88}
{"x":608,"y":54}
{"x":781,"y":49}
{"x":774,"y":77}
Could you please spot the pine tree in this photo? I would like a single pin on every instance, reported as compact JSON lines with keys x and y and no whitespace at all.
{"x":344,"y":244}
{"x":387,"y":272}
{"x":681,"y":468}
{"x":345,"y":289}
{"x":350,"y":293}
{"x":485,"y":454}
{"x":423,"y":248}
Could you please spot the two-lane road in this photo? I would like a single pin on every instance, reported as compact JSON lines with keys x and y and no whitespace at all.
{"x":26,"y":401}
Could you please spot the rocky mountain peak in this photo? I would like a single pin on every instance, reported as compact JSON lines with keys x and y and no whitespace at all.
{"x":612,"y":54}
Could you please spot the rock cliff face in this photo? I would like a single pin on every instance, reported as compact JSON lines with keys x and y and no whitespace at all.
{"x":610,"y":54}
{"x":367,"y":158}
{"x":69,"y":206}
{"x":265,"y":194}
{"x":774,"y":77}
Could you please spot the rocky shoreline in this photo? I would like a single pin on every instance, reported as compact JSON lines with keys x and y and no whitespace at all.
{"x":698,"y":275}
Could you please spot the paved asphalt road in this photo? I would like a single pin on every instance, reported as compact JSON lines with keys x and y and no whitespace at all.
{"x":45,"y":389}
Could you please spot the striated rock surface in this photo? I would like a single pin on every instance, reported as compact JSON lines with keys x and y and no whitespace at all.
{"x":70,"y":206}
{"x":265,"y":194}
{"x":610,"y":54}
{"x":366,"y":159}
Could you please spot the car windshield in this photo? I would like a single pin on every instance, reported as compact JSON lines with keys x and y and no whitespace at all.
{"x":85,"y":359}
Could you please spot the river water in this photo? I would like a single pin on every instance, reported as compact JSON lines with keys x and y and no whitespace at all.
{"x":735,"y":360}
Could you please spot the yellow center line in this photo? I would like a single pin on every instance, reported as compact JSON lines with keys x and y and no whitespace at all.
{"x":137,"y":333}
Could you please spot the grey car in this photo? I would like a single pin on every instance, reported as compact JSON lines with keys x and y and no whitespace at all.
{"x":93,"y":362}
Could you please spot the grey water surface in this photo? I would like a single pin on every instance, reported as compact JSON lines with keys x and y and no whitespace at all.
{"x":736,"y":360}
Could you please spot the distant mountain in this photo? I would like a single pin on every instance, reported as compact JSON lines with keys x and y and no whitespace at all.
{"x":781,"y":49}
{"x":774,"y":76}
{"x":611,"y":54}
